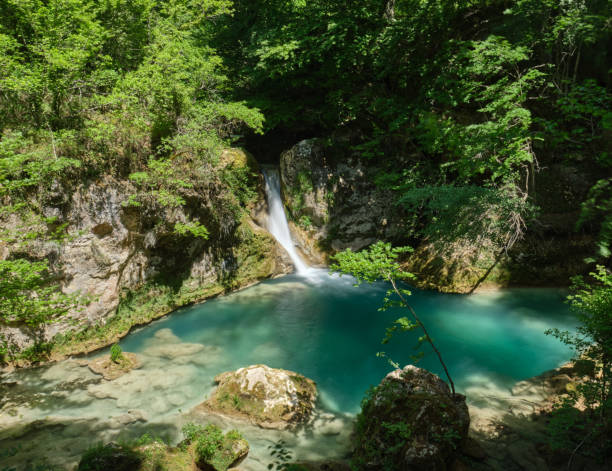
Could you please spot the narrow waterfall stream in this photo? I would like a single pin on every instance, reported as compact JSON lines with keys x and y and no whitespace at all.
{"x":277,"y":219}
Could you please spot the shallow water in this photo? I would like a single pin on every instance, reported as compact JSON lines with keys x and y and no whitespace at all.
{"x":319,"y":326}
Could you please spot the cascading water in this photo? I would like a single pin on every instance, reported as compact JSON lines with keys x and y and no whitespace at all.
{"x":277,"y":220}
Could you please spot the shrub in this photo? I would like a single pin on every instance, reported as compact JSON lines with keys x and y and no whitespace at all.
{"x":116,"y":354}
{"x":213,"y":450}
{"x":208,"y":442}
{"x":581,"y":421}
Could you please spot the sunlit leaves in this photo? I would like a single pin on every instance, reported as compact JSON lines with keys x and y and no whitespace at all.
{"x":378,"y":262}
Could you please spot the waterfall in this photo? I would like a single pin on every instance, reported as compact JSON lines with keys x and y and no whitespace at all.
{"x":277,"y":220}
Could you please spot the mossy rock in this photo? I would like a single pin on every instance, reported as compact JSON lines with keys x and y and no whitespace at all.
{"x":211,"y":449}
{"x":111,"y":370}
{"x":110,"y":457}
{"x":229,"y":455}
{"x":270,"y":398}
{"x":158,"y":456}
{"x":238,"y":158}
{"x":410,"y":421}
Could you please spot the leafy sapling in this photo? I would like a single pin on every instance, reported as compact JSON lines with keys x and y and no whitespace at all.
{"x":380,"y":262}
{"x":116,"y":354}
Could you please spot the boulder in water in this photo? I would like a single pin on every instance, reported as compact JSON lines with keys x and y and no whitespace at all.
{"x":410,"y":421}
{"x":269,"y":397}
{"x":111,"y":370}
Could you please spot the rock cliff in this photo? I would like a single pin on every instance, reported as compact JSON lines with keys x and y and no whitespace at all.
{"x":116,"y":255}
{"x":334,"y":203}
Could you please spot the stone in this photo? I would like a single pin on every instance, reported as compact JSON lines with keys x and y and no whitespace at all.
{"x":110,"y":370}
{"x":411,"y":421}
{"x":334,"y":205}
{"x":111,"y":456}
{"x":472,"y":449}
{"x":214,"y":451}
{"x":103,"y":229}
{"x":112,"y":248}
{"x":270,"y":398}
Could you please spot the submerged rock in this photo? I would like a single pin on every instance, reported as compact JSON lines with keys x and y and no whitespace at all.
{"x":410,"y":421}
{"x":270,"y":398}
{"x":111,"y":370}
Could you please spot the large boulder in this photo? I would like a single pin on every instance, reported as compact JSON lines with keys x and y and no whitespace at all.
{"x":411,"y":421}
{"x":268,"y":397}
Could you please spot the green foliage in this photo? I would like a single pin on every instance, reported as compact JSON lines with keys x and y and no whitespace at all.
{"x":211,"y":446}
{"x":380,"y":262}
{"x":592,"y":342}
{"x":96,"y":88}
{"x":242,"y":181}
{"x":208,"y":441}
{"x":116,"y":354}
{"x":280,"y":457}
{"x":305,"y":222}
{"x":29,"y":297}
{"x":598,"y":205}
{"x":462,"y":94}
{"x":194,"y":228}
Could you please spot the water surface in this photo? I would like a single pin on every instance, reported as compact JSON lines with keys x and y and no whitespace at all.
{"x":330,"y":331}
{"x":319,"y":326}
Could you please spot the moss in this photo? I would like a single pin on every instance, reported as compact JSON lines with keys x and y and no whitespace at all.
{"x":295,"y":201}
{"x":232,"y":398}
{"x":457,"y":268}
{"x":389,"y":423}
{"x":254,"y":257}
{"x":152,"y":301}
{"x":212,"y":449}
{"x":166,"y":459}
{"x":111,"y":456}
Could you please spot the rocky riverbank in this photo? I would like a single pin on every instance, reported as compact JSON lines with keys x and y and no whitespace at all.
{"x":130,"y":269}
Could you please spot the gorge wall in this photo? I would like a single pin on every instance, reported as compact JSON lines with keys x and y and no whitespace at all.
{"x":334,"y":203}
{"x":118,"y":256}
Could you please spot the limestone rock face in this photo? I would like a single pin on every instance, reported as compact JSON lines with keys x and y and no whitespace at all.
{"x":334,"y":202}
{"x":269,"y":397}
{"x":112,"y":248}
{"x":410,"y":422}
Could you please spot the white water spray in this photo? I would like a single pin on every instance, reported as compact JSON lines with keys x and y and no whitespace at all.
{"x":277,"y":220}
